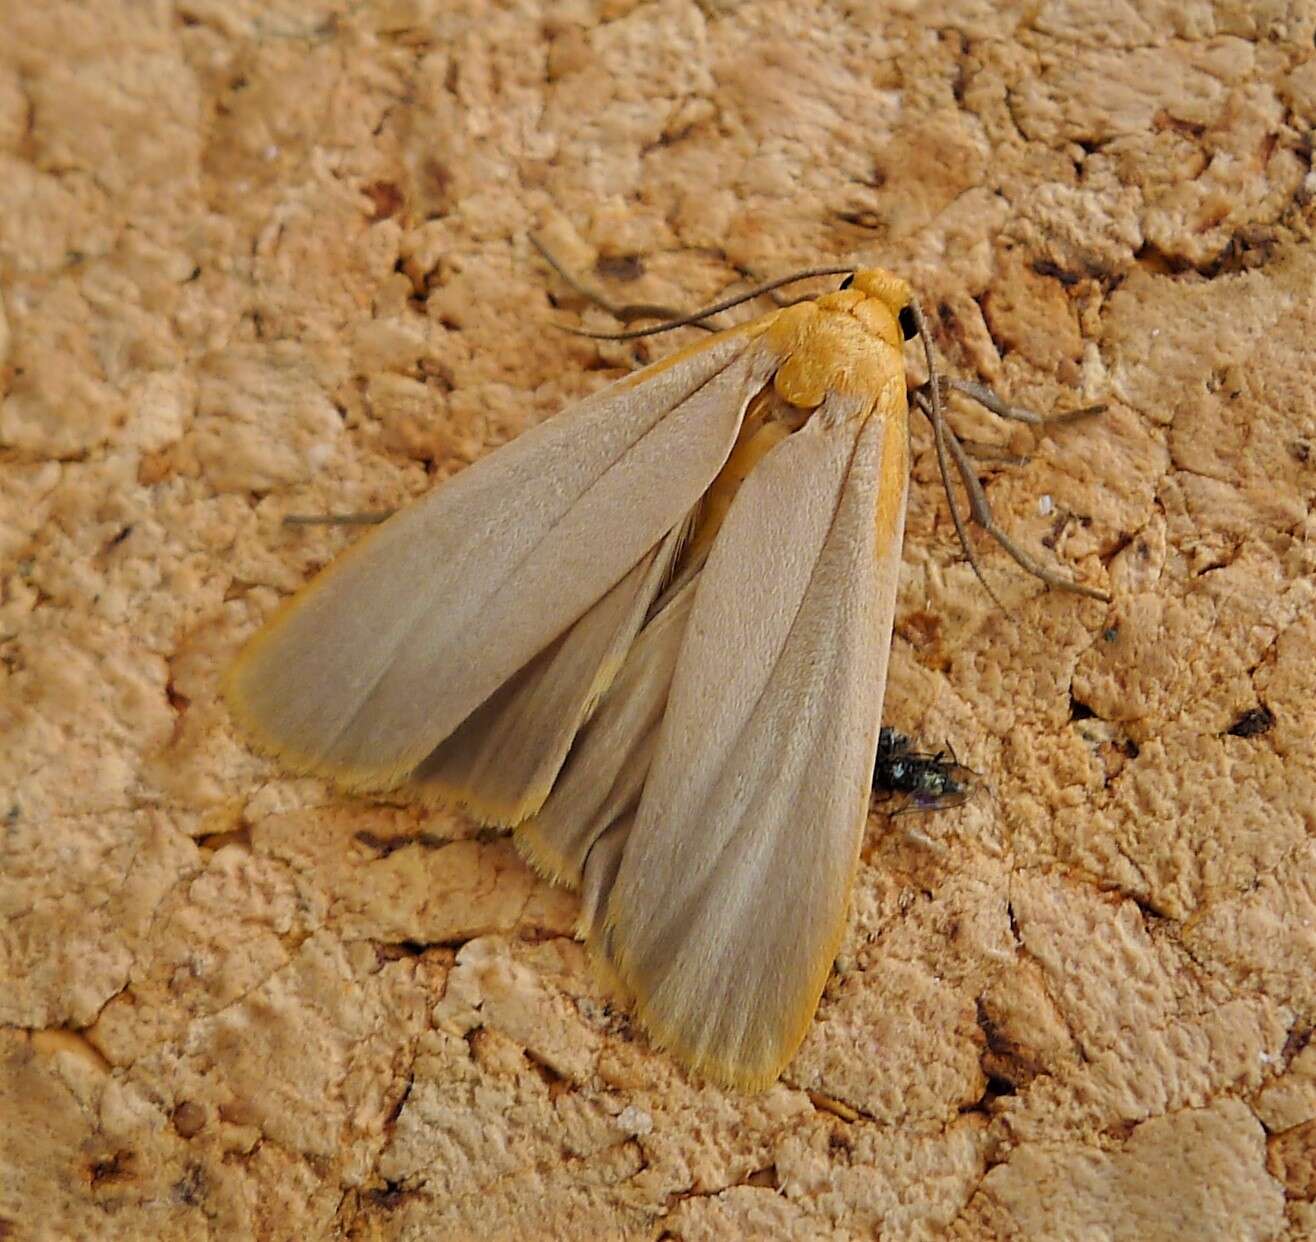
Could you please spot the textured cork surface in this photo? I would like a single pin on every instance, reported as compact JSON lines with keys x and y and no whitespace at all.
{"x":260,"y":259}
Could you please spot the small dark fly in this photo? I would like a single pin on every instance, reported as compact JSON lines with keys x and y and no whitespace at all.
{"x":924,"y":781}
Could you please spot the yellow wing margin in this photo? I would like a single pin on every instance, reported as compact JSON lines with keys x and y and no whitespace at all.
{"x":383,"y":655}
{"x":730,"y":897}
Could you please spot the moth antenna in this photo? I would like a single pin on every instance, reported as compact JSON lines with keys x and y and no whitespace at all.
{"x":623,"y":311}
{"x":678,"y":321}
{"x":695,"y":316}
{"x":775,"y":298}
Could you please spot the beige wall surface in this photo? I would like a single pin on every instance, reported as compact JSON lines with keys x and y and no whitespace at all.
{"x":268,"y":258}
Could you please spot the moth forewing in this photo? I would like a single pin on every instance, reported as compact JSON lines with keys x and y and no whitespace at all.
{"x":600,"y":783}
{"x":383,"y":655}
{"x":503,"y":758}
{"x":608,"y":764}
{"x":732,"y":890}
{"x":598,"y":876}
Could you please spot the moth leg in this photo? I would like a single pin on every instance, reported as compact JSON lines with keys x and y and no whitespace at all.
{"x":928,"y":399}
{"x":989,"y":400}
{"x":980,"y":511}
{"x":372,"y":518}
{"x":921,"y":839}
{"x":982,"y":450}
{"x":986,"y":398}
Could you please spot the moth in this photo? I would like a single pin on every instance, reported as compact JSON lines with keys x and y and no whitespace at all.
{"x":650,"y":635}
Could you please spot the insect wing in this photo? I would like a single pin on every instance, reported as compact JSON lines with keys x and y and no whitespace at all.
{"x":386,"y":652}
{"x":731,"y":892}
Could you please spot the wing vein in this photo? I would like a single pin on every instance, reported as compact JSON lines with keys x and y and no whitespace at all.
{"x":744,"y":827}
{"x":551,"y":528}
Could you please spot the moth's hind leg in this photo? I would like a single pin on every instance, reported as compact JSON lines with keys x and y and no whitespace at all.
{"x":370,"y":518}
{"x":980,"y":510}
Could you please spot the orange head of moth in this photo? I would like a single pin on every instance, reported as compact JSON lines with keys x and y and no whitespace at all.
{"x":850,"y":342}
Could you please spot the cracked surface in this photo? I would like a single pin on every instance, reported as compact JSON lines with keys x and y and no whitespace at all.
{"x":267,"y":259}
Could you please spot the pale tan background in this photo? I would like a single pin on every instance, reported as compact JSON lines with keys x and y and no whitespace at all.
{"x":260,"y":259}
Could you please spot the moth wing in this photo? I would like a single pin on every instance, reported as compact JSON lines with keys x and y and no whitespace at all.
{"x":601,"y":782}
{"x":502,"y":760}
{"x":599,"y":785}
{"x":364,"y":672}
{"x":730,"y":897}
